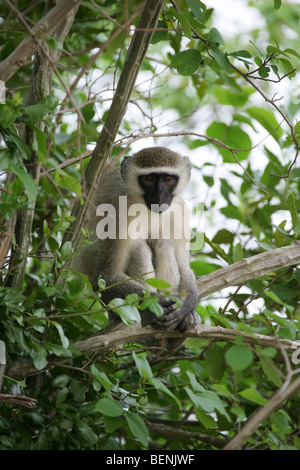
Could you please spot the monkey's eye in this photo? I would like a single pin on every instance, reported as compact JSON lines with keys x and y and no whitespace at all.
{"x":148,"y":178}
{"x":167,"y":178}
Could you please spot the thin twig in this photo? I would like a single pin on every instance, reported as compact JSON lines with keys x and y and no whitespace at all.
{"x":268,"y":100}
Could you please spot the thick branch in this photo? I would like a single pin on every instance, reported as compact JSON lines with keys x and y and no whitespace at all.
{"x":249,"y":269}
{"x":262,"y":414}
{"x":96,"y":343}
{"x":28,"y":46}
{"x":41,"y":85}
{"x":241,"y":272}
{"x":25,"y":367}
{"x":134,"y":59}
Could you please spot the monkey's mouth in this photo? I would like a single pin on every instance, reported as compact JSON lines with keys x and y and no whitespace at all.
{"x":158,"y":204}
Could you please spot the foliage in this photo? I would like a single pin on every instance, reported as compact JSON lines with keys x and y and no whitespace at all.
{"x":218,"y":97}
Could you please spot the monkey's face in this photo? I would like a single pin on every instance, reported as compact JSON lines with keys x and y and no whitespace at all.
{"x":158,"y":190}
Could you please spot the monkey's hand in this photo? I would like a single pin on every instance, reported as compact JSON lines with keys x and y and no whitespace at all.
{"x":173,"y":318}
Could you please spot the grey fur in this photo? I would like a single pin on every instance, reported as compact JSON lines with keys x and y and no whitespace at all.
{"x":118,"y":260}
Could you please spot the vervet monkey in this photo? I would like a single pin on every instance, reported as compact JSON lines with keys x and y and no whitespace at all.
{"x":136,"y":203}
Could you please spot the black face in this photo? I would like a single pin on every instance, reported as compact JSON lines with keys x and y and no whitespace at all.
{"x":158,"y":190}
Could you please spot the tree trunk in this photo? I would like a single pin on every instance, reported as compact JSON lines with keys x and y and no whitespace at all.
{"x":134,"y":59}
{"x":41,"y":86}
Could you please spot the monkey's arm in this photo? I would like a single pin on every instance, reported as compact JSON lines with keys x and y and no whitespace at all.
{"x":184,"y":317}
{"x":117,"y":264}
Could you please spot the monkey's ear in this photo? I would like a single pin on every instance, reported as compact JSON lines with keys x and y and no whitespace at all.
{"x":188,"y":164}
{"x":123,"y":167}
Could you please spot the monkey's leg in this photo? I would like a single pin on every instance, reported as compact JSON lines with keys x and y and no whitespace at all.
{"x":158,"y":345}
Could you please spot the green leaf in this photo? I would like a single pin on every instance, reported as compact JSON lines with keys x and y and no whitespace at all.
{"x":223,"y":236}
{"x":160,"y":386}
{"x":266,"y":118}
{"x":39,"y":357}
{"x":271,"y":371}
{"x":200,"y":401}
{"x":63,"y":338}
{"x":15,"y":144}
{"x":215,"y":36}
{"x":157,"y":283}
{"x":58,"y":350}
{"x":232,"y":212}
{"x":112,"y":424}
{"x":293,"y":210}
{"x":194,"y":383}
{"x":187,"y":62}
{"x":241,"y":53}
{"x":195,"y":6}
{"x":287,"y":324}
{"x":142,"y":365}
{"x":292,"y":51}
{"x":109,"y":407}
{"x":77,"y":390}
{"x":281,"y":422}
{"x":128,"y":313}
{"x":220,"y":58}
{"x":239,"y":357}
{"x":86,"y":431}
{"x":207,"y":420}
{"x":36,"y":112}
{"x":233,"y":137}
{"x":297,"y":128}
{"x":215,"y":400}
{"x":238,"y":253}
{"x":264,"y":71}
{"x":101,"y":377}
{"x":8,"y":115}
{"x":88,"y":112}
{"x":273,"y":296}
{"x":159,"y":35}
{"x":215,"y":362}
{"x":28,"y":182}
{"x":230,"y":97}
{"x":152,"y":303}
{"x":277,"y":4}
{"x":253,"y":395}
{"x":137,"y":427}
{"x":66,"y":250}
{"x":279,"y":235}
{"x":183,"y":21}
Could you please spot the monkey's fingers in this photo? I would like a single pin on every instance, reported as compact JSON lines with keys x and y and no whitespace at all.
{"x":169,"y":321}
{"x":189,"y":321}
{"x":166,"y":304}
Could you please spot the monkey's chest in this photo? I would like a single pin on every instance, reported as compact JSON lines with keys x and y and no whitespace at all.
{"x":165,"y":263}
{"x":154,"y":259}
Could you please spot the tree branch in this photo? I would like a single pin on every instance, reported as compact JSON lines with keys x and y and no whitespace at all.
{"x":96,"y":343}
{"x":268,"y":100}
{"x":262,"y":414}
{"x":49,"y":23}
{"x":249,"y":269}
{"x":22,"y":400}
{"x":41,"y":84}
{"x":174,"y":432}
{"x":237,"y":273}
{"x":133,"y":61}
